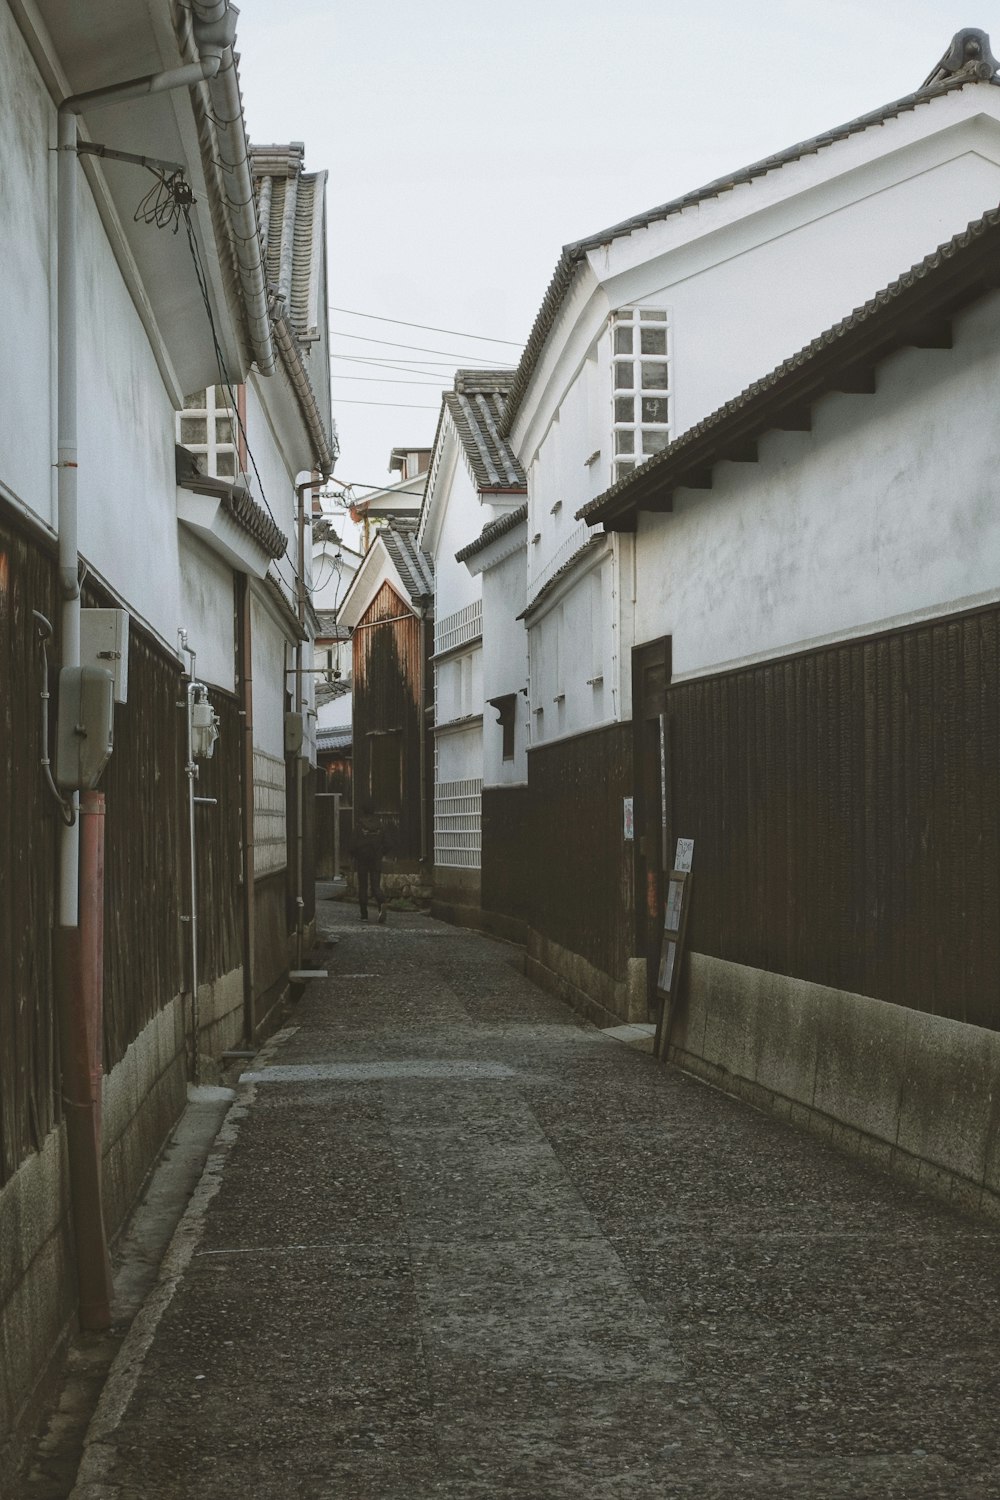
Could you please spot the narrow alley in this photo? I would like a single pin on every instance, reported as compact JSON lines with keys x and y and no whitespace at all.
{"x":454,"y":1241}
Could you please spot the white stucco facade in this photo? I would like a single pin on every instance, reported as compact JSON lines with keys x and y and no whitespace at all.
{"x":883,"y":514}
{"x":742,"y":279}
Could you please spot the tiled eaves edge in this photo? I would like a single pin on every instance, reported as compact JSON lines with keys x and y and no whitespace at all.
{"x":931,"y":291}
{"x":573,"y":254}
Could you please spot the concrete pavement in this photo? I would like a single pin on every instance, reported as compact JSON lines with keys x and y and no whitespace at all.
{"x":454,"y":1242}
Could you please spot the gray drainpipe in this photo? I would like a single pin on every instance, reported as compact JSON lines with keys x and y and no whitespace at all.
{"x":84,"y":1147}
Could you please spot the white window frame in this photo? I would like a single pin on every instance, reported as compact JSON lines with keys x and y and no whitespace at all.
{"x":639,"y":428}
{"x":212,"y":407}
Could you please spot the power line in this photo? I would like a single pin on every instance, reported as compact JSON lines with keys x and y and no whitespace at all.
{"x":412,"y":366}
{"x":395,"y":344}
{"x":428,"y":327}
{"x":384,"y":380}
{"x":354,"y":401}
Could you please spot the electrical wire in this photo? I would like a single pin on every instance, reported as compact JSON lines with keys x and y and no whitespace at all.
{"x":428,"y":327}
{"x":355,"y":401}
{"x":395,"y":344}
{"x":384,"y":380}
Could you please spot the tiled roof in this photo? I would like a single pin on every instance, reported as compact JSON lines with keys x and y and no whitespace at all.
{"x":236,"y":500}
{"x":573,"y":254}
{"x":328,"y":691}
{"x":334,"y":739}
{"x":477,"y":406}
{"x":913,"y":311}
{"x":414,"y":566}
{"x":495,"y":529}
{"x":328,"y":629}
{"x":290,"y":210}
{"x":590,"y":546}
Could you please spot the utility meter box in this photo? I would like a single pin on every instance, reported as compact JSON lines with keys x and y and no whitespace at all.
{"x":104,"y":643}
{"x":85,"y":733}
{"x":294,"y":733}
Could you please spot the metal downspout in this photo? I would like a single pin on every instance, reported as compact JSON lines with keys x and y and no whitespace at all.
{"x":83,"y":1142}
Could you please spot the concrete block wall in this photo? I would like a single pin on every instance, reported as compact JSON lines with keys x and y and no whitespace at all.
{"x":598,"y":997}
{"x":37,"y":1286}
{"x":916,"y":1094}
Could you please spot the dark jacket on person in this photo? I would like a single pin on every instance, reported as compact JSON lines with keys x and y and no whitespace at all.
{"x":368,"y":840}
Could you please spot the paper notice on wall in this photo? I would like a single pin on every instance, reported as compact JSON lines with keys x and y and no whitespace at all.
{"x":684,"y":854}
{"x":629,"y":815}
{"x":667,"y":967}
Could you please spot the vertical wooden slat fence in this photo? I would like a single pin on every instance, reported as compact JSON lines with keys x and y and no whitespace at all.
{"x":29,"y":1104}
{"x":845,"y":806}
{"x":575,"y":860}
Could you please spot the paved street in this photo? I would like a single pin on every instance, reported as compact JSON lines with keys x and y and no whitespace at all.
{"x":454,"y":1242}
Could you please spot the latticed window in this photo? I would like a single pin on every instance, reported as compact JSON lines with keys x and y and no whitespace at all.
{"x":640,"y":353}
{"x":206,"y":427}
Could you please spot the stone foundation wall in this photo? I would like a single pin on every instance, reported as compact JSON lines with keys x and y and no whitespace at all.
{"x":915,"y":1094}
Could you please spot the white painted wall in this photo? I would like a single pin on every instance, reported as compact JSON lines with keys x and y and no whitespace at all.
{"x":505,"y":656}
{"x":206,"y":611}
{"x":27,"y":369}
{"x":569,"y":646}
{"x":747,"y":279}
{"x":885,"y":513}
{"x":126,"y":479}
{"x":270,"y":646}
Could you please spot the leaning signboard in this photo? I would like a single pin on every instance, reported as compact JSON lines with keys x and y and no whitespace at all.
{"x":675,"y":915}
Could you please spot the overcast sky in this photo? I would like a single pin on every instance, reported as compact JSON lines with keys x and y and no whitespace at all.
{"x":467,"y":143}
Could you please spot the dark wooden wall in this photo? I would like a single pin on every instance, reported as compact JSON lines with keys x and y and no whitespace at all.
{"x":845,"y":807}
{"x":386,"y":693}
{"x":581,"y":868}
{"x":218,"y":836}
{"x":506,"y":831}
{"x":29,"y":823}
{"x":145,"y":848}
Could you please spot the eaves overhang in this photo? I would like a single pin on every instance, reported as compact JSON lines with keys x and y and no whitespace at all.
{"x":227,"y":518}
{"x":575,"y":254}
{"x":914,"y":311}
{"x":593,"y":547}
{"x":492,"y":532}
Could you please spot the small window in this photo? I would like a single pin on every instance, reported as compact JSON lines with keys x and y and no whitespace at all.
{"x":506,"y":707}
{"x":641,"y":368}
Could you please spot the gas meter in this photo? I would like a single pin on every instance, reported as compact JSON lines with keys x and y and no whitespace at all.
{"x":204,"y":727}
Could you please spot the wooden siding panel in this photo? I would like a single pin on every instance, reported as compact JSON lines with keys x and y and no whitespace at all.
{"x":387,"y":649}
{"x":29,"y":824}
{"x":581,"y":867}
{"x":857,"y":844}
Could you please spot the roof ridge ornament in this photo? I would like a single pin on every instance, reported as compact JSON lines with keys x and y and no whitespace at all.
{"x":968,"y":53}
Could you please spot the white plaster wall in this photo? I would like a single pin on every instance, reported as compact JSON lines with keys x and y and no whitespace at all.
{"x":569,"y":651}
{"x":336,"y":714}
{"x":26,"y":236}
{"x":462,"y":520}
{"x":275,"y":487}
{"x":269,"y":661}
{"x":127,"y":496}
{"x":459,"y":687}
{"x":207,"y":611}
{"x":505,"y":665}
{"x":748,"y":279}
{"x":460,"y":754}
{"x":886,"y":512}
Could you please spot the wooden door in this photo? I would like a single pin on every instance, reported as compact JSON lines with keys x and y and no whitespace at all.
{"x":651,"y":772}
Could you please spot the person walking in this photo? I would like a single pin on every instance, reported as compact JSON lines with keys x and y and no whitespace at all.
{"x":368,"y":846}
